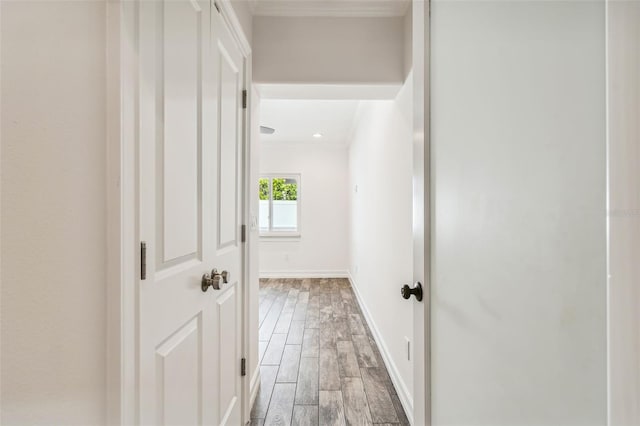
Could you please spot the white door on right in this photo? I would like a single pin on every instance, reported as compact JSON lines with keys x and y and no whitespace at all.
{"x":518,"y":190}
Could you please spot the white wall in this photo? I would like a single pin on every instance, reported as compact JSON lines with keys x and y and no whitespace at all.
{"x":518,"y":231}
{"x":380,"y":166}
{"x":322,"y":248}
{"x":53,"y":212}
{"x":624,"y":211}
{"x":328,"y":50}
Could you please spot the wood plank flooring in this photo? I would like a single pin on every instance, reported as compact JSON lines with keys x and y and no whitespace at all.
{"x":319,"y":363}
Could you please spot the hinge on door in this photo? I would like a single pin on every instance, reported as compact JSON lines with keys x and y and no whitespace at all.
{"x":215,"y":4}
{"x":243,"y":234}
{"x":243,"y":367}
{"x":244,"y":99}
{"x":143,"y":260}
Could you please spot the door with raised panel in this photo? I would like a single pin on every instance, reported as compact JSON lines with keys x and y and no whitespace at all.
{"x":228,"y":82}
{"x":189,"y":118}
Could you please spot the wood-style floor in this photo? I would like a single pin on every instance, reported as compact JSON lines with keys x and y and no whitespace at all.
{"x":319,"y":363}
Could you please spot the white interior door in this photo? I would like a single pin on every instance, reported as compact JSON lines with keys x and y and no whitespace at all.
{"x":518,"y":190}
{"x":189,"y":340}
{"x":228,"y":82}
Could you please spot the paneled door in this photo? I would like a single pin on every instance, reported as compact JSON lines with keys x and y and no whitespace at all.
{"x":227,"y":121}
{"x":190,"y":121}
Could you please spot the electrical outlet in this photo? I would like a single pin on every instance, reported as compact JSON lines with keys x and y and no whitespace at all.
{"x":406,"y":339}
{"x":356,"y":269}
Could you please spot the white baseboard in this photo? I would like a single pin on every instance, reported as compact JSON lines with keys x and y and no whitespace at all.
{"x":404,"y":394}
{"x":254,"y":387}
{"x":304,"y":274}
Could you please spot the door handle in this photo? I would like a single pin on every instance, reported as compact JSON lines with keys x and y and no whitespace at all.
{"x":208,"y":281}
{"x":407,"y":291}
{"x":224,"y":275}
{"x":214,"y":279}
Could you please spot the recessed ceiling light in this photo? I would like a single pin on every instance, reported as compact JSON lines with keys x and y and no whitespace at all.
{"x":317,"y":135}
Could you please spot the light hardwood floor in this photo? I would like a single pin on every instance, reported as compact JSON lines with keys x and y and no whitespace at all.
{"x":319,"y":363}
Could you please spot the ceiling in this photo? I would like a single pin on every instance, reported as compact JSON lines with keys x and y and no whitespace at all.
{"x":296,"y":120}
{"x":330,"y":8}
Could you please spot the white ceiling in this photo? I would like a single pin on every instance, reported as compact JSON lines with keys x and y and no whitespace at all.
{"x":330,"y":8}
{"x":296,"y":120}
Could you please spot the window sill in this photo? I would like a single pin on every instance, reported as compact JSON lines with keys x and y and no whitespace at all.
{"x":280,"y":236}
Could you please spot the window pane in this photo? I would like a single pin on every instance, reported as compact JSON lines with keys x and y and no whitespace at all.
{"x":285,"y":204}
{"x":263,"y":215}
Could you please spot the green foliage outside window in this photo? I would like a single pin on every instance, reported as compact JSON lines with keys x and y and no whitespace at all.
{"x":283,"y":189}
{"x":264,"y":189}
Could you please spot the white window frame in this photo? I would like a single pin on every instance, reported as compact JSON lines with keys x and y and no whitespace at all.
{"x":271,"y":234}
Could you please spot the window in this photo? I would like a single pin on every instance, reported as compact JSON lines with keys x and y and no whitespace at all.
{"x":279,"y":205}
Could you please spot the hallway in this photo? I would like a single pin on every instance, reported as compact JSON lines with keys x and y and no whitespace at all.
{"x":319,"y":363}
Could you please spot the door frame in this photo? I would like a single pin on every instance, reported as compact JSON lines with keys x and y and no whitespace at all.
{"x":421,"y":17}
{"x":623,"y":351}
{"x":123,"y":247}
